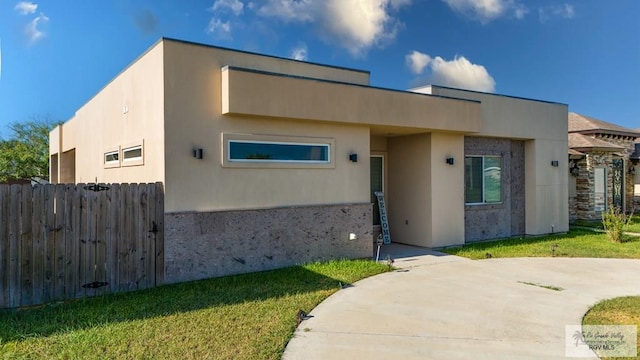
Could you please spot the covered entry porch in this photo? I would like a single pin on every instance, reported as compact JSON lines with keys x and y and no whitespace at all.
{"x":422,"y":176}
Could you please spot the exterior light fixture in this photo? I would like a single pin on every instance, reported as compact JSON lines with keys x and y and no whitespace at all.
{"x":555,"y":163}
{"x":450,"y":160}
{"x":353,"y":157}
{"x":632,"y":170}
{"x":198,"y":154}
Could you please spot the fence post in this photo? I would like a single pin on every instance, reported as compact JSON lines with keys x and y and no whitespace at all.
{"x":4,"y":245}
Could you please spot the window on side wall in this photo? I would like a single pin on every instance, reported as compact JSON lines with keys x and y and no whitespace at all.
{"x":482,"y":179}
{"x":276,"y":151}
{"x":133,"y":154}
{"x":111,"y":158}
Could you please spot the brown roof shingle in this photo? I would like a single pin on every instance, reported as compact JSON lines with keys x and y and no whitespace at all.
{"x":579,"y":141}
{"x":588,"y":125}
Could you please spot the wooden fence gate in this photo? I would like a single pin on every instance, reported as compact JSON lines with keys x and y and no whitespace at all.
{"x":70,"y":241}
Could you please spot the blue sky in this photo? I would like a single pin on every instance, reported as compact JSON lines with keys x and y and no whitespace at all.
{"x":56,"y":54}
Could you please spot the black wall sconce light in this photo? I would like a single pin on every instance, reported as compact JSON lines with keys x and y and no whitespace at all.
{"x":632,"y":170}
{"x":353,"y":157}
{"x":555,"y":163}
{"x":574,"y":169}
{"x":198,"y":154}
{"x":450,"y":160}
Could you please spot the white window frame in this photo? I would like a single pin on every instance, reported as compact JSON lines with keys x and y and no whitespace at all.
{"x":134,"y":161}
{"x":228,"y":139}
{"x":111,"y":163}
{"x":484,"y":202}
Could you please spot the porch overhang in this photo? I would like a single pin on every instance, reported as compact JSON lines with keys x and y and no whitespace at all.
{"x":259,"y":94}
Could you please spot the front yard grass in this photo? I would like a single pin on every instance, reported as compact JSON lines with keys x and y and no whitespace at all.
{"x":249,"y":316}
{"x":618,"y":311}
{"x":575,"y":243}
{"x":634,"y":224}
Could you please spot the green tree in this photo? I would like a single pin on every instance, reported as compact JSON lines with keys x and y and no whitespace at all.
{"x":26,"y":154}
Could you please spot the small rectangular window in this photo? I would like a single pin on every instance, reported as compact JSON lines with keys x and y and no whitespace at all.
{"x":132,"y":153}
{"x":267,"y":151}
{"x":111,"y":158}
{"x":482,"y":179}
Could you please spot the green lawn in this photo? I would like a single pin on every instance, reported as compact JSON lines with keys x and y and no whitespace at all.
{"x":618,"y":311}
{"x":634,"y":224}
{"x":248,"y":316}
{"x":575,"y":243}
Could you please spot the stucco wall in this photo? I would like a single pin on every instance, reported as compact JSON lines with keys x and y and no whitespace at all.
{"x":194,"y":119}
{"x":514,"y":117}
{"x":208,"y":244}
{"x":447,"y":190}
{"x":408,"y":199}
{"x":426,"y":195}
{"x":543,"y":126}
{"x":247,"y":92}
{"x":129,"y":109}
{"x":506,"y":219}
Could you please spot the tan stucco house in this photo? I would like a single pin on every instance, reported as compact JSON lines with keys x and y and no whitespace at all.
{"x":269,"y":162}
{"x":602,"y":162}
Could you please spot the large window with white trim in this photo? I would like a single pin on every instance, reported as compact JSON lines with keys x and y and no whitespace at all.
{"x":243,"y":150}
{"x":270,"y":151}
{"x":482,"y":179}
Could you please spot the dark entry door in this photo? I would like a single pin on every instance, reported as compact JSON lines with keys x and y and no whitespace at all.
{"x":377,"y":184}
{"x":618,"y":184}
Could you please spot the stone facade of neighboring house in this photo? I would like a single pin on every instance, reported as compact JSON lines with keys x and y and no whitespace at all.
{"x":602,"y":164}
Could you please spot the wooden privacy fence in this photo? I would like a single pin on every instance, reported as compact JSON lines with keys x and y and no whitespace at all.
{"x":70,"y":241}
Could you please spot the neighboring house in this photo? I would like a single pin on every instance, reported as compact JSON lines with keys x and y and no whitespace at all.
{"x":603,"y":164}
{"x":268,"y":162}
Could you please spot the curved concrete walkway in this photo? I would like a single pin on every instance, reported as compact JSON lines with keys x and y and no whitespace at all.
{"x":440,"y":306}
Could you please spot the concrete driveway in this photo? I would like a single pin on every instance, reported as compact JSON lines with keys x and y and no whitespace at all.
{"x":438,"y":306}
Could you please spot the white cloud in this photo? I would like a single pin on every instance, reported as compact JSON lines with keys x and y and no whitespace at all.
{"x":356,"y":25}
{"x":417,"y":61}
{"x":235,"y":6}
{"x":289,"y":10}
{"x":26,"y":7}
{"x":299,"y":52}
{"x":219,"y":29}
{"x":565,"y":11}
{"x":458,"y":73}
{"x":33,"y":28}
{"x":486,"y":11}
{"x":520,"y":11}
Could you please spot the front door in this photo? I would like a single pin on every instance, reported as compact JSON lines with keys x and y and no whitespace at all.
{"x":618,"y":184}
{"x":377,"y":184}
